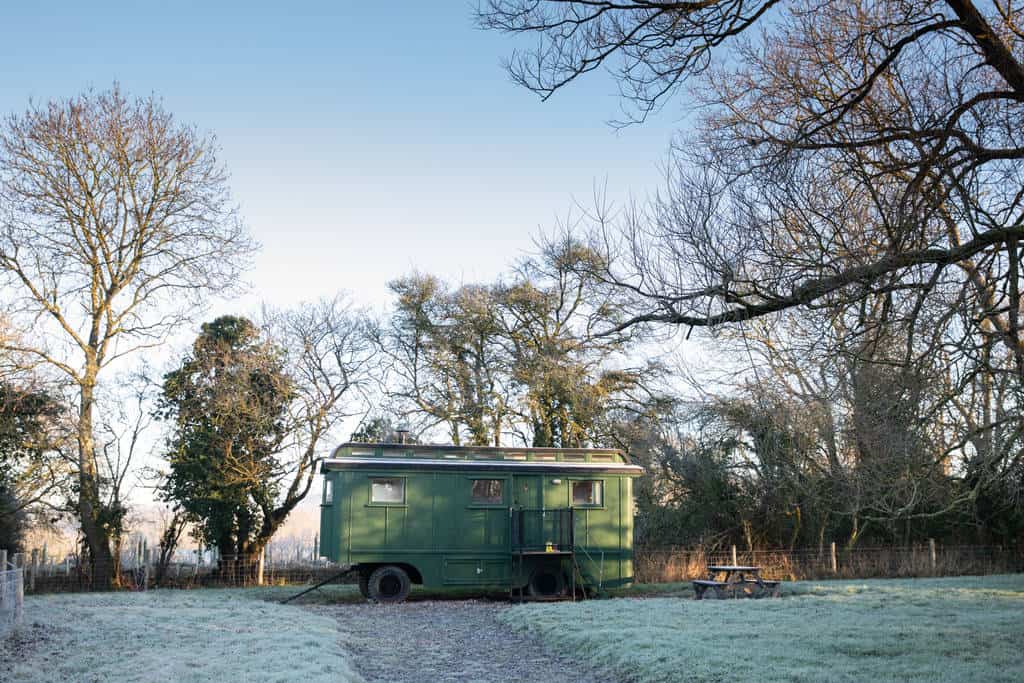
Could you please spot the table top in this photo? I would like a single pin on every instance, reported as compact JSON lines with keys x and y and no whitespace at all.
{"x":732,"y":568}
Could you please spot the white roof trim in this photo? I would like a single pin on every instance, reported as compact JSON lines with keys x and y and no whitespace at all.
{"x":453,"y":463}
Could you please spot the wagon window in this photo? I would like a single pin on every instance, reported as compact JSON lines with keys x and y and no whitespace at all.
{"x":328,"y":491}
{"x":587,"y":492}
{"x":488,"y":491}
{"x":391,"y":490}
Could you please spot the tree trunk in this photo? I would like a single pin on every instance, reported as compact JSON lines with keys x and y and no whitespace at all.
{"x":90,"y":507}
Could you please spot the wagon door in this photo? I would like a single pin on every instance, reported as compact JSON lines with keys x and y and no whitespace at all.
{"x":528,"y":494}
{"x":526,"y":491}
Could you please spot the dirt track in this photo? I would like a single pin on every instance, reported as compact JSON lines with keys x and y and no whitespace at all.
{"x":433,"y":641}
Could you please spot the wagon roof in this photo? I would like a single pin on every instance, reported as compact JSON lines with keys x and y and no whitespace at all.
{"x":479,"y":465}
{"x":409,"y":456}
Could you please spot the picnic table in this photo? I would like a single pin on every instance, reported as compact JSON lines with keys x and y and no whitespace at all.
{"x":734,"y":581}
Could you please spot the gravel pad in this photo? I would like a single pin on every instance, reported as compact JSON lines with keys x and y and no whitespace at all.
{"x":437,"y":641}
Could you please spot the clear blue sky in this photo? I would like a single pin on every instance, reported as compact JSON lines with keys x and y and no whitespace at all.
{"x":363,"y":139}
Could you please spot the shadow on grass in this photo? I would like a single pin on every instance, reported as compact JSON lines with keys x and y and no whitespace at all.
{"x":335,"y":594}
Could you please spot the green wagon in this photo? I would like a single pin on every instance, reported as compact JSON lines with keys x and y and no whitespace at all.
{"x":538,"y":522}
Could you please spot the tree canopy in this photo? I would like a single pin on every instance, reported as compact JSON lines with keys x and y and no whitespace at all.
{"x":229,"y":401}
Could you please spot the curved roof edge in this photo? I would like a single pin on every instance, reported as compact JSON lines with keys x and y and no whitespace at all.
{"x":355,"y":448}
{"x":482,"y":465}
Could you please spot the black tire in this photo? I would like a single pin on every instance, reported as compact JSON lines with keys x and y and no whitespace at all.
{"x":546,"y":582}
{"x":364,"y":584}
{"x":388,"y":584}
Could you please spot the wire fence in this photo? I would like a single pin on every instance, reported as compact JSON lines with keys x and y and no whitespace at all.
{"x":73,"y":575}
{"x":34,"y":574}
{"x":831,"y":562}
{"x":12,"y":594}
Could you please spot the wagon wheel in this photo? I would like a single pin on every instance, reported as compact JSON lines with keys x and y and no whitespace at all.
{"x":389,"y":584}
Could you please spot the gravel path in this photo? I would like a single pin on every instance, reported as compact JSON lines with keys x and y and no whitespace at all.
{"x":435,"y":641}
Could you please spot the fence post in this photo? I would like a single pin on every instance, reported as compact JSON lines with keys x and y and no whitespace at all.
{"x":145,"y":569}
{"x":835,"y":559}
{"x":259,"y":567}
{"x":42,"y":559}
{"x":734,"y":561}
{"x":33,"y":568}
{"x":931,"y":552}
{"x":3,"y":568}
{"x":19,"y":595}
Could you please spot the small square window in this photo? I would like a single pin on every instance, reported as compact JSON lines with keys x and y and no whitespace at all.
{"x":390,"y":490}
{"x":488,"y":492}
{"x":328,"y":492}
{"x":587,"y":492}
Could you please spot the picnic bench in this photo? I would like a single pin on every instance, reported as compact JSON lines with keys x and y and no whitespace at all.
{"x":732,"y":581}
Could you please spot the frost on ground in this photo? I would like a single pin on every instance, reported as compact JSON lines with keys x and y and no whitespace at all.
{"x":200,"y":635}
{"x":963,"y":629}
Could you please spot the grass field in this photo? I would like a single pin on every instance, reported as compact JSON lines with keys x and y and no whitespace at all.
{"x":173,"y":635}
{"x":957,"y":629}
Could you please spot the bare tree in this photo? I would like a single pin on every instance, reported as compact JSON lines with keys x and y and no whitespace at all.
{"x":517,"y":359}
{"x":253,"y":410}
{"x":851,"y":148}
{"x":330,"y":357}
{"x":854,"y":162}
{"x":117,"y":224}
{"x":122,"y":428}
{"x":445,"y":360}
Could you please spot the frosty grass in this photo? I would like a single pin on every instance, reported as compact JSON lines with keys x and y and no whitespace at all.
{"x":962,"y":629}
{"x":956,"y":629}
{"x":175,"y":635}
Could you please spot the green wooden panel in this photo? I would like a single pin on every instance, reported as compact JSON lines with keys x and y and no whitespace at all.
{"x":475,"y":571}
{"x":452,"y":541}
{"x":527,"y":491}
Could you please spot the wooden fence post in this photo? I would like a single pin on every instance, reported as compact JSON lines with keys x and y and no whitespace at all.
{"x":3,"y":568}
{"x":259,"y":567}
{"x":734,"y":561}
{"x":835,"y":559}
{"x":145,"y":568}
{"x":19,"y":595}
{"x":33,"y":567}
{"x":42,"y":559}
{"x":931,"y":553}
